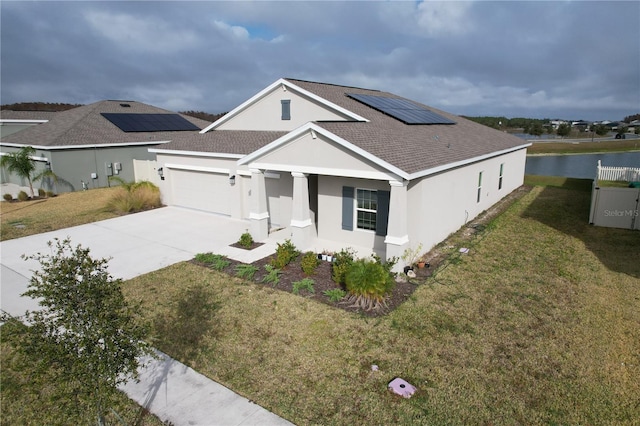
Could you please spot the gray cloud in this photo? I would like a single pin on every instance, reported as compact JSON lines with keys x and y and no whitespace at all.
{"x":534,"y":59}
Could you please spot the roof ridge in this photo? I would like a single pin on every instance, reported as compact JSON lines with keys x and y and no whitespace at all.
{"x":330,"y":84}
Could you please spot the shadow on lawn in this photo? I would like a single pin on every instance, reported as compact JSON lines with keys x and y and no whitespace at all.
{"x":181,"y":331}
{"x":566,"y":209}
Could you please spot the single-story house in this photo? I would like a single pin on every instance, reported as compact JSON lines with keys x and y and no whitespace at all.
{"x":86,"y":145}
{"x":357,"y":166}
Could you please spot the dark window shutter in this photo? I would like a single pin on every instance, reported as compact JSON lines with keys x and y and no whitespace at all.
{"x":347,"y":208}
{"x":286,"y":109}
{"x":382,"y":217}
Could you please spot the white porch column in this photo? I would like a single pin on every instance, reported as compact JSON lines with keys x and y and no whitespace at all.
{"x":397,"y":239}
{"x":258,"y":213}
{"x":301,"y":224}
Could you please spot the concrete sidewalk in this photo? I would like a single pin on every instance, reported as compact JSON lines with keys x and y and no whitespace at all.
{"x":178,"y":394}
{"x":138,"y":244}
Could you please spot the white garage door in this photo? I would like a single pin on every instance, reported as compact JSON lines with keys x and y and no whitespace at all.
{"x":200,"y":190}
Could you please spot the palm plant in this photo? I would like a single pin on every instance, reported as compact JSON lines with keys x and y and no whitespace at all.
{"x":22,"y":164}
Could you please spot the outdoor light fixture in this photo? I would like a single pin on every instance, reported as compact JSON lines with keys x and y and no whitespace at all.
{"x":161,"y":173}
{"x":232,"y":180}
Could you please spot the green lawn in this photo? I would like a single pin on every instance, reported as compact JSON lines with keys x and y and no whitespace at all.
{"x":538,"y":324}
{"x":20,"y":219}
{"x":569,"y":147}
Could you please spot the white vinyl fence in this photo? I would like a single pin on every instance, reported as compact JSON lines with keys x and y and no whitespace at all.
{"x":628,"y":174}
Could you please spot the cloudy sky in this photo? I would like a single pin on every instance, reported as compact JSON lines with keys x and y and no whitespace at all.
{"x":544,"y":59}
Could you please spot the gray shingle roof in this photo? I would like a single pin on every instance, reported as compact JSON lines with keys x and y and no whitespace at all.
{"x":411,"y":148}
{"x":85,"y":126}
{"x":235,"y":142}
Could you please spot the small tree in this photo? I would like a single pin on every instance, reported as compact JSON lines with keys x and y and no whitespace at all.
{"x":85,"y":330}
{"x":563,"y":130}
{"x":536,"y":129}
{"x":601,"y":129}
{"x":24,"y":166}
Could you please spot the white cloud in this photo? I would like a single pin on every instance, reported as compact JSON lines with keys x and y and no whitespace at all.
{"x":234,"y":31}
{"x":444,"y":18}
{"x":141,"y":34}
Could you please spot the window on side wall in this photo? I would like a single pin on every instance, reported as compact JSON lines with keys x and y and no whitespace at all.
{"x":479,"y":187}
{"x":366,"y":209}
{"x":500,"y":177}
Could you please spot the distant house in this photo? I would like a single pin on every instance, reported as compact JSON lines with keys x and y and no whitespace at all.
{"x":355,"y":166}
{"x":86,"y":145}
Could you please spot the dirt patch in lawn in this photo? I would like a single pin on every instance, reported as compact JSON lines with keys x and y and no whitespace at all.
{"x":404,"y":287}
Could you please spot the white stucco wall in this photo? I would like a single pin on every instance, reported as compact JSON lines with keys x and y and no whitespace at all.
{"x":441,"y":204}
{"x":330,"y":212}
{"x":265,"y":114}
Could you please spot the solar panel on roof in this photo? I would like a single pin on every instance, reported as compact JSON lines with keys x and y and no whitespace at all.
{"x":128,"y":122}
{"x":401,"y":109}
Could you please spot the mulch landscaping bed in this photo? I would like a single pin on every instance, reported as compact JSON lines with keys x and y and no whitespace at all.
{"x":401,"y":291}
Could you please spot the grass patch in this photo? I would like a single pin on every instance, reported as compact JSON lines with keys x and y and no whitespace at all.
{"x":613,"y":184}
{"x":538,"y":324}
{"x":559,"y":182}
{"x":569,"y":147}
{"x":50,"y":214}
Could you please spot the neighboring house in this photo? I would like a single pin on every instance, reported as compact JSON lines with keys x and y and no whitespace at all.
{"x":86,"y":145}
{"x":355,"y":166}
{"x":14,"y":121}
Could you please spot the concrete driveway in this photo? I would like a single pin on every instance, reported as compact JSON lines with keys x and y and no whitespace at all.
{"x":137,"y":244}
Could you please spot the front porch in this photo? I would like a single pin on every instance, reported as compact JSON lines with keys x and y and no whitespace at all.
{"x":318,"y":209}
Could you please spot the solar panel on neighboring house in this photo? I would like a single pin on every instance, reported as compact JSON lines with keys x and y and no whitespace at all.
{"x":401,"y":109}
{"x":128,"y":122}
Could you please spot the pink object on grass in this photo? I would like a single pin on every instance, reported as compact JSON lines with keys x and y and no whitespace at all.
{"x":402,"y":387}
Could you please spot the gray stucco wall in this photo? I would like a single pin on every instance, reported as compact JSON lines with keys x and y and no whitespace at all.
{"x":73,"y":166}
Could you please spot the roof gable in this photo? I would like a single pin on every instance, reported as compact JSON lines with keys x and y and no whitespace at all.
{"x":312,"y":149}
{"x":262,"y":111}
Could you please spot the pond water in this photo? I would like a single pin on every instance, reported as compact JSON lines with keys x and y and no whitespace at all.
{"x":582,"y":166}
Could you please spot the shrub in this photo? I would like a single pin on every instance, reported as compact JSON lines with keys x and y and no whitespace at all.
{"x":22,"y":196}
{"x":135,"y":197}
{"x":246,"y":271}
{"x":285,"y":254}
{"x":8,"y":197}
{"x":335,"y":294}
{"x":273,"y":275}
{"x":246,"y":240}
{"x":215,"y":261}
{"x":368,"y":283}
{"x":303,"y":284}
{"x":309,"y":263}
{"x":41,"y":192}
{"x":342,"y":263}
{"x":50,"y":194}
